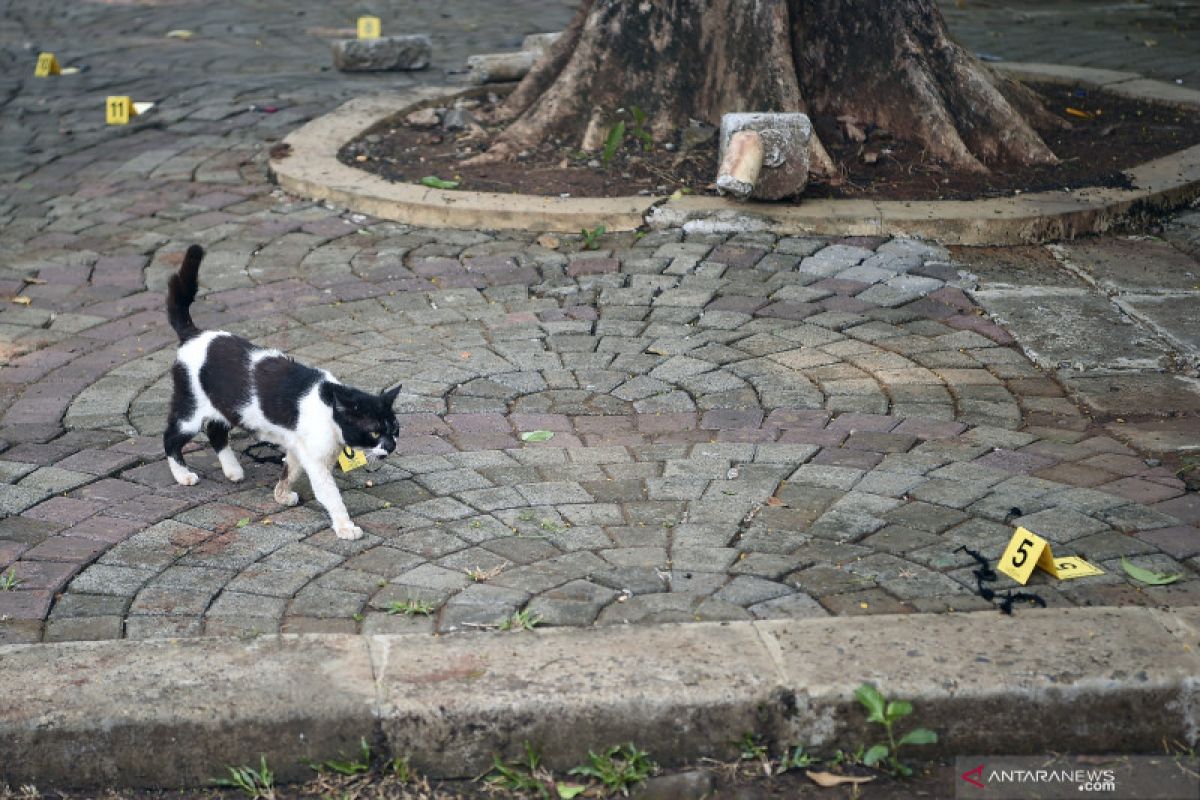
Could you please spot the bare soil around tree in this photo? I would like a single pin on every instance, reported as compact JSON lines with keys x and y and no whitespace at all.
{"x":1107,"y":134}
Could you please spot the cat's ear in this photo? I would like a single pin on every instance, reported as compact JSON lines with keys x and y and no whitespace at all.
{"x":388,"y":397}
{"x":338,"y":397}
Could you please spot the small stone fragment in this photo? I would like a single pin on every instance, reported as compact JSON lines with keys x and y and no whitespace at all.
{"x":499,"y":67}
{"x":423,"y":118}
{"x":457,"y":119}
{"x":382,"y":54}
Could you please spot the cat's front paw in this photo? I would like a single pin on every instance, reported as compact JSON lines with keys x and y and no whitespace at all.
{"x":234,"y":473}
{"x":187,"y":478}
{"x":348,"y":530}
{"x":286,"y":498}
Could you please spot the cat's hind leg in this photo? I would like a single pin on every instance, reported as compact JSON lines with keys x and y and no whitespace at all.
{"x":182,"y":425}
{"x":291,"y":472}
{"x":218,"y":436}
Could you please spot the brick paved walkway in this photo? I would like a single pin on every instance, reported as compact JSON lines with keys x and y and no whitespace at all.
{"x":744,"y":427}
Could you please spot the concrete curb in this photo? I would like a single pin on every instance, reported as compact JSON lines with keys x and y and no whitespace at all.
{"x":176,"y":712}
{"x":312,"y":170}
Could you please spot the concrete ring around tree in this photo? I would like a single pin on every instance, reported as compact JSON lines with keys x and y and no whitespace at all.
{"x":312,"y":170}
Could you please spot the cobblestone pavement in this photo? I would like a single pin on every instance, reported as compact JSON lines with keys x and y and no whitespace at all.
{"x":744,"y":427}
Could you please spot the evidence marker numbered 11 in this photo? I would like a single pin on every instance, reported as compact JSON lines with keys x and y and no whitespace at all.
{"x":1027,"y":551}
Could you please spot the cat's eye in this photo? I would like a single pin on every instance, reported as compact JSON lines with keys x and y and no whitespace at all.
{"x":374,"y":434}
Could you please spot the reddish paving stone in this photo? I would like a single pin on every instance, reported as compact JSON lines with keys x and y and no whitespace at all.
{"x":1140,"y":491}
{"x":950,"y":296}
{"x":856,"y":604}
{"x":797,"y":418}
{"x":747,"y":435}
{"x":102,"y":528}
{"x":926,"y":428}
{"x":50,"y":575}
{"x":739,"y":303}
{"x":478,"y":423}
{"x":140,"y":446}
{"x":423,"y":446}
{"x":851,"y":305}
{"x":837,"y":457}
{"x":600,"y":440}
{"x":64,"y":510}
{"x":1180,"y":541}
{"x":722,"y":418}
{"x":97,"y":462}
{"x":559,"y":423}
{"x":560,"y":440}
{"x":66,"y":548}
{"x":10,"y":551}
{"x":25,"y":604}
{"x":593,"y":266}
{"x":980,"y":325}
{"x":823,"y":438}
{"x":330,"y":228}
{"x":853,"y":421}
{"x":663,"y":423}
{"x":1122,"y":594}
{"x":605,"y":424}
{"x":736,"y":257}
{"x":880,"y":442}
{"x":840,"y":286}
{"x":149,"y":508}
{"x":42,"y":454}
{"x":1113,"y":462}
{"x":1074,"y":474}
{"x":421,"y":423}
{"x":485,"y":441}
{"x":109,"y":491}
{"x":929,"y":309}
{"x":792,"y":311}
{"x":1035,"y":387}
{"x":1013,"y":461}
{"x":1186,"y":507}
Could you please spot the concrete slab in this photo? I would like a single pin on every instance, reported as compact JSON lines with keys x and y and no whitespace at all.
{"x":1160,"y":436}
{"x":177,"y":712}
{"x":1134,"y":264}
{"x":1071,"y":327}
{"x":1176,"y":316}
{"x":1136,"y":395}
{"x":688,"y":694}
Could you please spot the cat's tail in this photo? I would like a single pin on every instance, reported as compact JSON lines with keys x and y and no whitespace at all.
{"x":181,"y":291}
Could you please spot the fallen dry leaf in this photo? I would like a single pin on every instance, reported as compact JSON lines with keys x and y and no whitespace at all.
{"x":22,"y":300}
{"x":774,"y":501}
{"x":829,"y":780}
{"x":549,"y":242}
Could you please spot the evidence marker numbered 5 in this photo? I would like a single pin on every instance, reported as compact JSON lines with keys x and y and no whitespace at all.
{"x":1027,"y":551}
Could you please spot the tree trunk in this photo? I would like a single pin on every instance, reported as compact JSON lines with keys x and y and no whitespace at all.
{"x":887,"y":63}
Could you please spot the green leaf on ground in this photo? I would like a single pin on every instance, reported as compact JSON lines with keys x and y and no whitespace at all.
{"x":876,"y":754}
{"x":566,"y":791}
{"x":918,"y":736}
{"x":1148,"y":576}
{"x":872,"y":701}
{"x":243,"y":522}
{"x":434,"y":182}
{"x":537,"y":436}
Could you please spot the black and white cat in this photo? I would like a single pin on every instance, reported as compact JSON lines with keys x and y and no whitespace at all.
{"x":222,"y":380}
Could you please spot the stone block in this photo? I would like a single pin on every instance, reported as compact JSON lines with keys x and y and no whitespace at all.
{"x":382,"y":54}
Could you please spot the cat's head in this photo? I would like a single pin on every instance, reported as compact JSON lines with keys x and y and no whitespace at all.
{"x":366,"y":420}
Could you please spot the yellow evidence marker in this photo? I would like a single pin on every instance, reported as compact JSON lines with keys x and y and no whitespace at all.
{"x":351,"y":459}
{"x":118,"y":110}
{"x":47,"y":65}
{"x":1027,"y":551}
{"x":369,"y":28}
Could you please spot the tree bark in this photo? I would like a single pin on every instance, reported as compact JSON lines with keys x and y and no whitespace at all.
{"x":887,"y":63}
